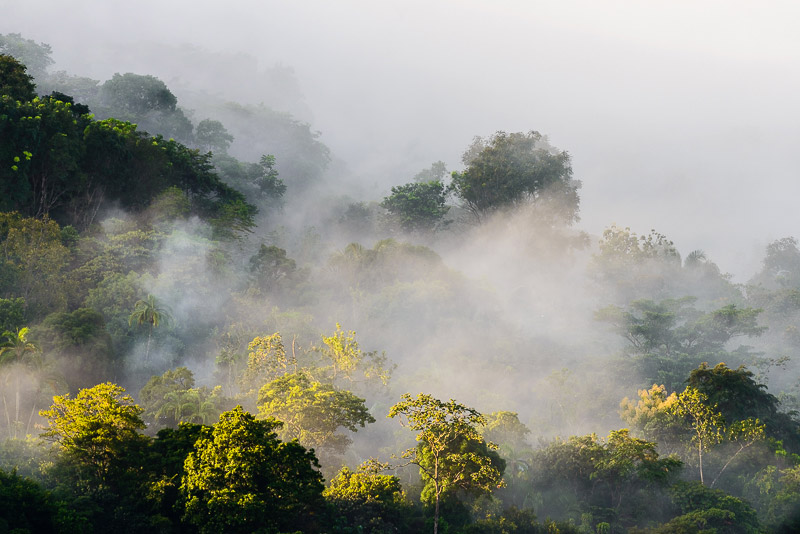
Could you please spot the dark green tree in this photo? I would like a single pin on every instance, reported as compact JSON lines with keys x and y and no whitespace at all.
{"x":513,"y":169}
{"x":418,"y":206}
{"x":241,"y":478}
{"x":15,"y":82}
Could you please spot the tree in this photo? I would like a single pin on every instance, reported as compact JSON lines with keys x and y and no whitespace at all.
{"x":266,"y":361}
{"x":35,"y":56}
{"x":418,"y":206}
{"x":436,"y":172}
{"x":151,"y":313}
{"x":617,"y":479}
{"x":447,"y":455}
{"x":709,"y":427}
{"x":667,"y":339}
{"x":509,"y":170}
{"x":781,"y":265}
{"x":346,"y":361}
{"x":12,"y":313}
{"x":270,"y":267}
{"x":738,"y":397}
{"x":240,"y":478}
{"x":95,"y":431}
{"x":211,"y":135}
{"x":312,"y":412}
{"x":32,"y":248}
{"x":16,"y":349}
{"x":368,"y":501}
{"x":25,"y":506}
{"x":147,"y":101}
{"x":171,"y":398}
{"x":15,"y":83}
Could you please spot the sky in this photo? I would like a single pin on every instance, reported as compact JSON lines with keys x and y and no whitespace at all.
{"x":681,"y":116}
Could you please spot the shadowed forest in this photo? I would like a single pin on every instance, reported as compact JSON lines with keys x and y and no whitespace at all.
{"x":210,"y":325}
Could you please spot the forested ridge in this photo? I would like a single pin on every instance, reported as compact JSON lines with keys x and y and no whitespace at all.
{"x":205,"y":328}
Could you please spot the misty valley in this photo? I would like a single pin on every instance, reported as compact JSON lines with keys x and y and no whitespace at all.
{"x":210,"y":324}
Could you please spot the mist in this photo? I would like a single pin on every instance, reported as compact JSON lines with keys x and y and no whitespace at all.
{"x":679,"y":117}
{"x":680,"y":124}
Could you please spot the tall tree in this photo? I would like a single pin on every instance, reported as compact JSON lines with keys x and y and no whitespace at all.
{"x":151,"y":313}
{"x":451,"y":452}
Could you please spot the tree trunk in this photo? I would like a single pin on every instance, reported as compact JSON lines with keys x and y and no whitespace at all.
{"x":436,"y":515}
{"x":30,"y":419}
{"x":700,"y":456}
{"x":16,"y":411}
{"x":147,"y":350}
{"x":8,"y":418}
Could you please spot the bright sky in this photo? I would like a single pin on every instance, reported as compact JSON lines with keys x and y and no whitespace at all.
{"x":680,"y":115}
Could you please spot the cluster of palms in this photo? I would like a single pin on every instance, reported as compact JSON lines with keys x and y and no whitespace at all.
{"x":18,"y":356}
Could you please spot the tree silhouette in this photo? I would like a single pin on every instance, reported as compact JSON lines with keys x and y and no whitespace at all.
{"x":149,"y":312}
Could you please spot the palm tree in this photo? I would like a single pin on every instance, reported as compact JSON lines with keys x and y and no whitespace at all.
{"x":16,"y":349}
{"x":148,"y":312}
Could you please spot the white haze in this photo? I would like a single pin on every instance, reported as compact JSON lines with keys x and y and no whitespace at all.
{"x":679,"y":115}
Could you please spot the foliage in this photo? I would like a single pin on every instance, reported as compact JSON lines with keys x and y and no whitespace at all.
{"x":667,"y":339}
{"x":518,"y":168}
{"x":418,"y":206}
{"x":619,"y":479}
{"x":451,"y":453}
{"x":15,"y":82}
{"x":241,"y":478}
{"x":367,"y":501}
{"x":211,"y":135}
{"x":346,"y":362}
{"x":144,"y":100}
{"x":16,"y":351}
{"x":266,"y":361}
{"x":781,"y":266}
{"x":312,"y":412}
{"x":151,"y":313}
{"x":708,"y":510}
{"x":32,"y":249}
{"x":709,"y":426}
{"x":25,"y":507}
{"x":271,"y":269}
{"x":95,"y":431}
{"x":35,"y":56}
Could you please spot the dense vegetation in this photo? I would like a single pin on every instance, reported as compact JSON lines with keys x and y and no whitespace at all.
{"x":179,"y":308}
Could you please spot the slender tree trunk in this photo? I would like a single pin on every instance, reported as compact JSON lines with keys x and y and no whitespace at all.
{"x":28,"y":428}
{"x":436,"y":514}
{"x":8,"y":418}
{"x":16,"y":411}
{"x":700,"y":456}
{"x":147,"y":350}
{"x":741,"y":448}
{"x":438,"y":489}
